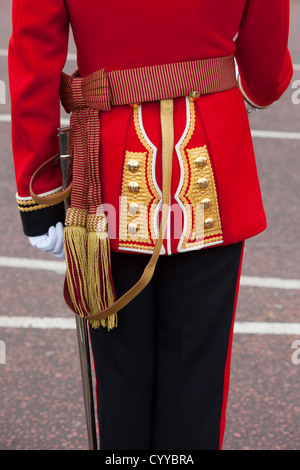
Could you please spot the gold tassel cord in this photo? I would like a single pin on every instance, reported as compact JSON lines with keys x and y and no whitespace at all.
{"x":75,"y":237}
{"x":99,"y":283}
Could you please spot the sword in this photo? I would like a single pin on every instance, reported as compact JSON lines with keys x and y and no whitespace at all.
{"x":64,"y":134}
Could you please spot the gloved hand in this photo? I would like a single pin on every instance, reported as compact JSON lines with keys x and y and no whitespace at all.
{"x":51,"y":242}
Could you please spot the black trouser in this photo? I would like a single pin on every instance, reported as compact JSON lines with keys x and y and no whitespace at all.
{"x":162,"y":374}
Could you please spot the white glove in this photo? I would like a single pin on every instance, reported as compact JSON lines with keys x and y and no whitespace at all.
{"x":51,"y":242}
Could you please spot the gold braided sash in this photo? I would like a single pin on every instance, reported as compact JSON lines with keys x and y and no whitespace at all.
{"x":89,"y":290}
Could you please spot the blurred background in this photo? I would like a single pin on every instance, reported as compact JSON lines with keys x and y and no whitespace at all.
{"x":41,"y":404}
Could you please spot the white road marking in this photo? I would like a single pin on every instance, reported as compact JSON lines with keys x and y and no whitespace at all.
{"x":37,"y":322}
{"x":58,"y":267}
{"x":59,"y":323}
{"x":5,"y":118}
{"x":275,"y":135}
{"x":270,"y":282}
{"x":267,"y":328}
{"x":28,"y":263}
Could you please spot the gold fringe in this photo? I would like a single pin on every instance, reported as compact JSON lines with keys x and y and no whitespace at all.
{"x":99,"y":286}
{"x":76,"y":264}
{"x":88,"y":265}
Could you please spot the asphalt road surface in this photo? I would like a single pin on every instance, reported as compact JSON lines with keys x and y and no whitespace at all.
{"x":41,"y":404}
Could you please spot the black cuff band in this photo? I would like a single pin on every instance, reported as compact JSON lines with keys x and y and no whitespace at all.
{"x":37,"y":222}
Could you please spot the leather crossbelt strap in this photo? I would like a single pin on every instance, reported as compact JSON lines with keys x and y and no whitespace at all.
{"x":48,"y":200}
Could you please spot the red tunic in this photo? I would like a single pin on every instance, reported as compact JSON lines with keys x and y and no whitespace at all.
{"x":126,"y":34}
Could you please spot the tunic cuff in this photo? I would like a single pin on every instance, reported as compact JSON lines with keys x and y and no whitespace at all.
{"x":246,"y":98}
{"x":37,"y":218}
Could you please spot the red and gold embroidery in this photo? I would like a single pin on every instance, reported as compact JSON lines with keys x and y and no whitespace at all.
{"x":139,"y":196}
{"x":197,"y":195}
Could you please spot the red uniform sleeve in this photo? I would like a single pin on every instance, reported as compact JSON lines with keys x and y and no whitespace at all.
{"x":37,"y":54}
{"x":262,"y":53}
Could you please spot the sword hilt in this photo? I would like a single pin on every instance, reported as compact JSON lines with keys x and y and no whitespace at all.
{"x":64,"y":135}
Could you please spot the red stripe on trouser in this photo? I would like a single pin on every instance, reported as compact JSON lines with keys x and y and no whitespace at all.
{"x":228,"y":358}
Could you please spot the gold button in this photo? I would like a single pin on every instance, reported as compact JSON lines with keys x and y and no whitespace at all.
{"x":206,"y":203}
{"x":194,"y":94}
{"x":208,"y":223}
{"x":133,"y":186}
{"x":133,"y":208}
{"x":133,"y":165}
{"x":201,"y":161}
{"x":202,"y":183}
{"x":132,"y":228}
